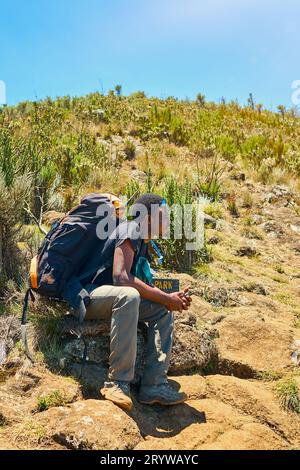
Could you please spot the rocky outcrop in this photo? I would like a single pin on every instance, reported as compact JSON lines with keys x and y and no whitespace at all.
{"x":193,"y":349}
{"x":222,"y":412}
{"x":248,"y":344}
{"x":89,"y":425}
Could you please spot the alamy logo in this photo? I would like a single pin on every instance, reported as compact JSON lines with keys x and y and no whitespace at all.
{"x":2,"y":92}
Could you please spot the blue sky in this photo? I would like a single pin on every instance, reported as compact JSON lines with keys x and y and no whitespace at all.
{"x":164,"y":47}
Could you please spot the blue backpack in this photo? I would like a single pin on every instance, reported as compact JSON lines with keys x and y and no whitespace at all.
{"x":67,"y":247}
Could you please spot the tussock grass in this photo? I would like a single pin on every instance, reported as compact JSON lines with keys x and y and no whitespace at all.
{"x":288,"y":394}
{"x":54,"y":398}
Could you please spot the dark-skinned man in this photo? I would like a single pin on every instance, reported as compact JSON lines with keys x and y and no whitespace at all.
{"x":125,"y":299}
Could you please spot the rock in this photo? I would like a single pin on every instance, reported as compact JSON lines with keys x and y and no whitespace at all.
{"x":257,"y":219}
{"x":296,"y":344}
{"x":89,"y":424}
{"x":116,"y":139}
{"x":22,"y":392}
{"x":238,"y":177}
{"x":295,"y":356}
{"x":200,"y":307}
{"x":10,"y":333}
{"x":98,"y":350}
{"x":208,"y":219}
{"x":213,"y":240}
{"x":279,"y":194}
{"x":269,"y":198}
{"x":192,"y":350}
{"x":217,"y":319}
{"x":296,"y":248}
{"x":254,"y":399}
{"x":217,"y":297}
{"x":139,"y":176}
{"x":91,"y":376}
{"x":220,"y":297}
{"x":246,"y":251}
{"x":195,"y":386}
{"x":256,"y":288}
{"x":295,"y":229}
{"x":248,"y":345}
{"x":273,"y":229}
{"x":209,"y":424}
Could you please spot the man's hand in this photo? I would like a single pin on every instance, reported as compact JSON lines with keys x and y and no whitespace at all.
{"x":179,"y":301}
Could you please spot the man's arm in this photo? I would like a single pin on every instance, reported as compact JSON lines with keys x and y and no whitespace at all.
{"x":123,"y":259}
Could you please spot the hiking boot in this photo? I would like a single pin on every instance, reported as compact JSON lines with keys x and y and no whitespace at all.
{"x":119,"y":393}
{"x":163,"y":394}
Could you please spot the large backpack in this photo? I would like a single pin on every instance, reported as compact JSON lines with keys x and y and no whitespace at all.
{"x":65,"y":249}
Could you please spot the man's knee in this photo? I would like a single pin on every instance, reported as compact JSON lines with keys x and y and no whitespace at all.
{"x":129,"y":295}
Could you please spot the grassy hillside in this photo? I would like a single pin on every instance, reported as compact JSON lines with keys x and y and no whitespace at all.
{"x":53,"y":151}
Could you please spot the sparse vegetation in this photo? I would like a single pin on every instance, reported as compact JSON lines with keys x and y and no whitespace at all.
{"x":54,"y":398}
{"x":288,"y":394}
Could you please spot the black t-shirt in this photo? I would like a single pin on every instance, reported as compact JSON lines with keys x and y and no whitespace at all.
{"x":126,"y":230}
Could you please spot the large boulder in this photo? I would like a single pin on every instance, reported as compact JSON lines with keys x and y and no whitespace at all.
{"x":90,"y":424}
{"x":250,"y":343}
{"x":193,"y":349}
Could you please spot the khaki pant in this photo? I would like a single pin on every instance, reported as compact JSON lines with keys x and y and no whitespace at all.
{"x":125,"y":308}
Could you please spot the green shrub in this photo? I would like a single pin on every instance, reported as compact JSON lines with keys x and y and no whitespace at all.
{"x":288,"y":394}
{"x":254,"y":150}
{"x":54,"y":398}
{"x":226,"y":146}
{"x":174,"y":250}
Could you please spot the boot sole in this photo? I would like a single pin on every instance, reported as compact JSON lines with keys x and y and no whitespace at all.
{"x":124,"y":406}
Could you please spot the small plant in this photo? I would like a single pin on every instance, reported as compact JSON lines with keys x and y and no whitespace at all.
{"x":269,"y":375}
{"x":288,"y":395}
{"x":232,"y":206}
{"x":252,"y":233}
{"x":118,"y":90}
{"x":129,"y":149}
{"x":279,"y":269}
{"x":296,"y":322}
{"x":54,"y":398}
{"x":200,"y":100}
{"x":247,"y":200}
{"x":214,"y":209}
{"x":251,"y":101}
{"x":209,"y":180}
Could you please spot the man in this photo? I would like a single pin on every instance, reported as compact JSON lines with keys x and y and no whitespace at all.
{"x":125,"y":299}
